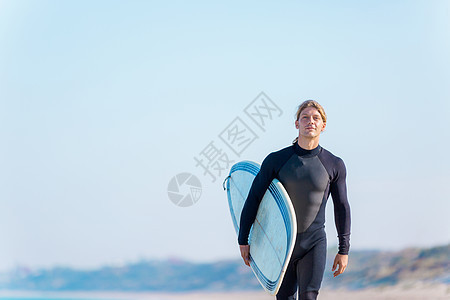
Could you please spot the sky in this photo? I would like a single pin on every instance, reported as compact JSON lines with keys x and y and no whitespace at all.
{"x":103,"y":103}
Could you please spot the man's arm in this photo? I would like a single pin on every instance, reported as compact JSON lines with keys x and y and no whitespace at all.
{"x":342,"y":217}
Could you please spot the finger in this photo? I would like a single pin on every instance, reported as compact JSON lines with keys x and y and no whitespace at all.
{"x":245,"y":257}
{"x":244,"y":252}
{"x":340,"y":270}
{"x":247,"y":260}
{"x":334,"y":265}
{"x":337,"y":270}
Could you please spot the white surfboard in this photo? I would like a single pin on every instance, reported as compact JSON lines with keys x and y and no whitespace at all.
{"x":273,"y":233}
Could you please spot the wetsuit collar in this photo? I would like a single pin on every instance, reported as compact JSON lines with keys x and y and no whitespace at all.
{"x":308,"y":153}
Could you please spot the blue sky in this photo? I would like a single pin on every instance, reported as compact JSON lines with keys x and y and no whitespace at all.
{"x":103,"y":102}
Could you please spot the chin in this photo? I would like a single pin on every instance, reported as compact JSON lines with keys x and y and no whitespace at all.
{"x":310,"y":134}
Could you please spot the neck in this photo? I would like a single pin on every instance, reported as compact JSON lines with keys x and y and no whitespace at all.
{"x":308,"y":144}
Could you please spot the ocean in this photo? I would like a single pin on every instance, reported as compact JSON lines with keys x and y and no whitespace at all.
{"x":85,"y":297}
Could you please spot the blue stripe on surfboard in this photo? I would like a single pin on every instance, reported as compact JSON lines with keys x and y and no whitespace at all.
{"x":233,"y":217}
{"x":249,"y":167}
{"x":253,"y":169}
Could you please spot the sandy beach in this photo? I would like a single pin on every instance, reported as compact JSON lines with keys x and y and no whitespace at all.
{"x":390,"y":293}
{"x":405,"y":292}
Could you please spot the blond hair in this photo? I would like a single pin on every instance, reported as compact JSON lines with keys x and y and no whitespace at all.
{"x":306,"y":104}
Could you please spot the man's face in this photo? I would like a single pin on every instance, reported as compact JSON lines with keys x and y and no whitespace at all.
{"x":310,"y":123}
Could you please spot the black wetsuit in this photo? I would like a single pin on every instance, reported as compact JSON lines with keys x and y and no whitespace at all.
{"x":309,"y":176}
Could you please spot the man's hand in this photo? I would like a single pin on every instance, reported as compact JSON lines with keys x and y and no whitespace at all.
{"x":245,"y":253}
{"x":341,"y":261}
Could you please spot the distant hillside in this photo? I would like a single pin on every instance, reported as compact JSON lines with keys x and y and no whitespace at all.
{"x":366,"y":269}
{"x":375,"y":268}
{"x":170,"y":275}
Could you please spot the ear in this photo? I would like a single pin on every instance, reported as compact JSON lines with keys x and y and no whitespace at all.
{"x":323,"y":127}
{"x":296,"y":124}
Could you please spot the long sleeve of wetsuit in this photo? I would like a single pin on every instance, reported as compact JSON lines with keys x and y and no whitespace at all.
{"x":338,"y":189}
{"x":255,"y":195}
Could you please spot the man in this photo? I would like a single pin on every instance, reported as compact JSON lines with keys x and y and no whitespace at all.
{"x":309,"y":173}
